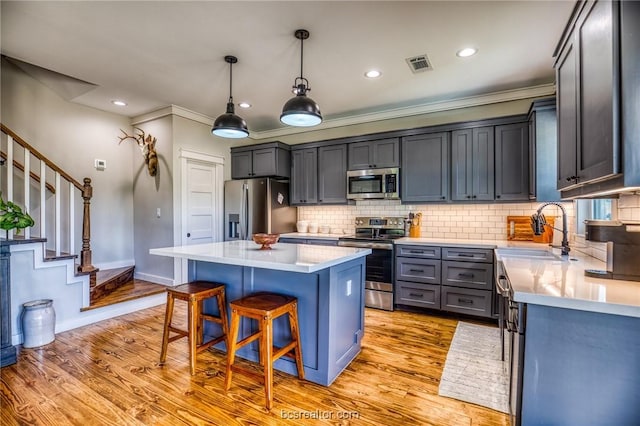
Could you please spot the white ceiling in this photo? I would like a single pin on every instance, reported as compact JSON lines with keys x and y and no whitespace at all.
{"x":156,"y":54}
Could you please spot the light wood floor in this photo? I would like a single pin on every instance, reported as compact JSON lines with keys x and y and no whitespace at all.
{"x":108,"y":374}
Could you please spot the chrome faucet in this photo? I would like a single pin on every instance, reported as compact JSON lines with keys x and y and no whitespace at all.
{"x":538,"y":221}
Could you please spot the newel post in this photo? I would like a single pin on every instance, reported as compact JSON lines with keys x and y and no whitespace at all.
{"x":85,"y":255}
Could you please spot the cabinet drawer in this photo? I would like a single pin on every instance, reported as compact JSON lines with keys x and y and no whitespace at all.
{"x":467,"y":254}
{"x":466,"y":301}
{"x":468,"y":274}
{"x":418,"y":270}
{"x":423,"y":295}
{"x":426,"y":252}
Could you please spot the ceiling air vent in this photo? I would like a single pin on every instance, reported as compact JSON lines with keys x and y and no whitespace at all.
{"x":419,"y":64}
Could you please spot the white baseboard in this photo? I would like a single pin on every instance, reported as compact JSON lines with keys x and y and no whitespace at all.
{"x":101,"y":314}
{"x":117,"y":264}
{"x":154,"y":278}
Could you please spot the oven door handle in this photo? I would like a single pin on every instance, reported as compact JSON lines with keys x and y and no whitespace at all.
{"x":356,"y":244}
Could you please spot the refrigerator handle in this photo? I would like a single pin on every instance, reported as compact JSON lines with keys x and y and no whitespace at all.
{"x":244,"y":216}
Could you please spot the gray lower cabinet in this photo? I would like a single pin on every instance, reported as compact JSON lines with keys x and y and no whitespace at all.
{"x":425,"y":168}
{"x":454,"y":279}
{"x":468,"y":274}
{"x":466,"y":301}
{"x":425,"y":271}
{"x":416,"y":294}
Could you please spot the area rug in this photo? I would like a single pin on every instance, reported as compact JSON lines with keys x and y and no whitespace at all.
{"x":473,"y":371}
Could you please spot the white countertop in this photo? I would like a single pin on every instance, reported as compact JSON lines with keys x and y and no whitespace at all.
{"x":562,"y":284}
{"x":282,"y":257}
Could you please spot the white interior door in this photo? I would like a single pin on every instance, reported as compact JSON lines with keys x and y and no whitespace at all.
{"x":202,"y":199}
{"x":201,"y":214}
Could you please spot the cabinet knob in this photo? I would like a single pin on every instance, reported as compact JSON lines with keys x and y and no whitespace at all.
{"x":572,"y":178}
{"x":468,"y":196}
{"x":188,"y":234}
{"x":443,"y":198}
{"x":474,"y":196}
{"x":497,"y":196}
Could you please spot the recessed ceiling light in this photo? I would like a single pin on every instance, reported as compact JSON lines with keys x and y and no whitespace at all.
{"x":467,"y":51}
{"x":244,"y":105}
{"x":119,"y":103}
{"x":372,"y":74}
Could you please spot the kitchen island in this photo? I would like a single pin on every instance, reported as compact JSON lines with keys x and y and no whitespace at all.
{"x":328,"y":282}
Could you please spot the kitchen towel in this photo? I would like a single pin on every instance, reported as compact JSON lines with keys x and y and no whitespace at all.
{"x":473,"y":371}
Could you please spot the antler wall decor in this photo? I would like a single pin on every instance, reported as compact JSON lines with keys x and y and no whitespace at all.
{"x":147,"y":144}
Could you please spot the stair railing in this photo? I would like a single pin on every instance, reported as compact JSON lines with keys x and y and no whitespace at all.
{"x":85,"y":189}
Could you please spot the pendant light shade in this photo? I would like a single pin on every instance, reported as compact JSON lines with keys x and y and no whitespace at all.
{"x":301,"y":111}
{"x":229,"y":125}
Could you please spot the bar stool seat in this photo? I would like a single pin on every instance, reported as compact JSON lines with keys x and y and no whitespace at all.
{"x":194,"y":293}
{"x":264,"y":307}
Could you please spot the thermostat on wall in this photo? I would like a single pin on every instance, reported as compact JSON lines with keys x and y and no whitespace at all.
{"x":100,"y":164}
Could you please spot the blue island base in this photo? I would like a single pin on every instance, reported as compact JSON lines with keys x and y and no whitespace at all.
{"x":330,"y":312}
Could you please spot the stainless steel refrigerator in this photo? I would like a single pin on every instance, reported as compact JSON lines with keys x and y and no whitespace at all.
{"x":254,"y":206}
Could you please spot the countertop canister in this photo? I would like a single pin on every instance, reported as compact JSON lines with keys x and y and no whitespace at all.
{"x":38,"y":323}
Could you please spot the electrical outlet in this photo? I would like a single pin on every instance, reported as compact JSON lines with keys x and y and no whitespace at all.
{"x":100,"y":164}
{"x":158,"y":212}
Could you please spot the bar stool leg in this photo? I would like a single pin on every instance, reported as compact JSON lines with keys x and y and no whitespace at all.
{"x":231,"y":349}
{"x":266,"y":342}
{"x":295,"y":334}
{"x":222,"y":310}
{"x":200,"y":330}
{"x":168,"y":316}
{"x":193,"y":337}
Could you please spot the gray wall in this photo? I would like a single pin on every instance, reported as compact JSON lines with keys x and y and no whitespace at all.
{"x":72,"y":136}
{"x":149,"y":194}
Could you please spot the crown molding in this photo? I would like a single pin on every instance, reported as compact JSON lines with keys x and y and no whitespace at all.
{"x":466,"y":102}
{"x":470,"y":101}
{"x":172,"y":110}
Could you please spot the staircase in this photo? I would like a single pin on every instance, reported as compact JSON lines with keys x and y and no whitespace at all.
{"x":51,"y":196}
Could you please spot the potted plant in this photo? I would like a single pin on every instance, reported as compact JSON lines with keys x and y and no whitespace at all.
{"x":12,"y":217}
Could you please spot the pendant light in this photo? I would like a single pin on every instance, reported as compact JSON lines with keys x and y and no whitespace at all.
{"x":229,"y":125}
{"x":300,"y":110}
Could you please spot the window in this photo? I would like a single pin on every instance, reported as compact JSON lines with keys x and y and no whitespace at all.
{"x":600,"y":209}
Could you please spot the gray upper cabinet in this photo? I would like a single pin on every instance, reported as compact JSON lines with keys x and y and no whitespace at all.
{"x":332,"y":174}
{"x":472,"y":164}
{"x":512,"y":162}
{"x":588,"y":95}
{"x":425,"y":168}
{"x":543,"y":150}
{"x":376,"y":154}
{"x":264,"y":160}
{"x":304,"y":176}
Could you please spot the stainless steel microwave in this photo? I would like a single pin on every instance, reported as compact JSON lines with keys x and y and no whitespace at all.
{"x":373,"y":184}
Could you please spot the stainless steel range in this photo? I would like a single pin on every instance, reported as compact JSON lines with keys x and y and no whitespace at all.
{"x":377,"y":233}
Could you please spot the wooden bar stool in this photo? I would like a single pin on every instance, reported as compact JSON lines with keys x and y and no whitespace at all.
{"x":194,"y":293}
{"x":264,"y":307}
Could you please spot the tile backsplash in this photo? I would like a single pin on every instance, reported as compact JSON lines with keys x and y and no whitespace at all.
{"x":629,"y":207}
{"x":468,"y":221}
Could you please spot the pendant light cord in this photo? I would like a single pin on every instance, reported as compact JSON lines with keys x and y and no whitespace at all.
{"x":301,"y":56}
{"x":230,"y":81}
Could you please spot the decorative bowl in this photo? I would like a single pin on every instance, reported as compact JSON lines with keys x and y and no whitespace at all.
{"x":265,"y":240}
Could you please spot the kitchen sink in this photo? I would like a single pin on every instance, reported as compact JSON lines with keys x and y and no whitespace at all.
{"x":527,"y":252}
